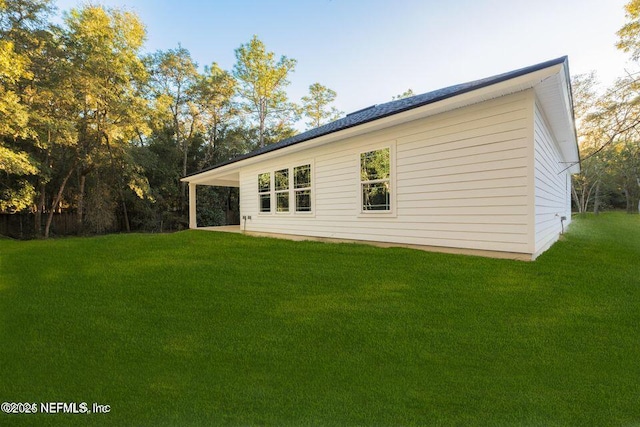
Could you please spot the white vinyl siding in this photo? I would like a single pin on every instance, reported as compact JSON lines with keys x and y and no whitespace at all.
{"x":552,"y":186}
{"x":462,"y":180}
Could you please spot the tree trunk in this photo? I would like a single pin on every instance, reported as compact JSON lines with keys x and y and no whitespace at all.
{"x":596,"y":201}
{"x":39,"y":210}
{"x":120,"y":183}
{"x":56,"y":201}
{"x":126,"y":215}
{"x":262,"y":114}
{"x":80,"y":217}
{"x":183,"y":199}
{"x":576,"y":199}
{"x":42,"y":187}
{"x":638,"y":182}
{"x":633,"y":198}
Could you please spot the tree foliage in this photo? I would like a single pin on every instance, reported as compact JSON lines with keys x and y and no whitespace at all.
{"x":261,"y":85}
{"x":629,"y":34}
{"x":609,"y":131}
{"x":316,"y":106}
{"x":406,"y":94}
{"x":213,"y":94}
{"x":20,"y":29}
{"x":88,"y":124}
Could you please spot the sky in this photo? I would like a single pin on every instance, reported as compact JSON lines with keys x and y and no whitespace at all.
{"x":371,"y":50}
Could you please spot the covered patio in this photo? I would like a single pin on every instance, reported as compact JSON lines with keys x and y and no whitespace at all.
{"x":231,"y":179}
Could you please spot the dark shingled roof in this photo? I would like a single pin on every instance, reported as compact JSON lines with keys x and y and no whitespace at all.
{"x":379,"y":111}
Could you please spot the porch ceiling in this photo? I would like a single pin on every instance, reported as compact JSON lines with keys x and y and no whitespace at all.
{"x":217,"y":180}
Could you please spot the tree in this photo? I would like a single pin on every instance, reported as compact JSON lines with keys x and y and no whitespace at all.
{"x":629,"y":34}
{"x":21,"y":23}
{"x":406,"y":94}
{"x":102,"y":68}
{"x":173,"y":77}
{"x":261,"y":83}
{"x":213,"y":93}
{"x":589,"y":138}
{"x":627,"y":159}
{"x":315,"y":106}
{"x":53,"y":118}
{"x":15,"y":191}
{"x":625,"y":168}
{"x":605,"y":122}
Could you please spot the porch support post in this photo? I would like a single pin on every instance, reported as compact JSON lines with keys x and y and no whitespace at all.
{"x":192,"y":206}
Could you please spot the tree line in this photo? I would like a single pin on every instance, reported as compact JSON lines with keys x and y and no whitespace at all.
{"x":608,"y":126}
{"x":91,"y":124}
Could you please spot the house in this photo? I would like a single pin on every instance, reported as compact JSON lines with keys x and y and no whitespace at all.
{"x":482,"y":167}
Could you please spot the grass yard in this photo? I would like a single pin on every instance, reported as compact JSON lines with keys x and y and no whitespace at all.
{"x":199,"y":328}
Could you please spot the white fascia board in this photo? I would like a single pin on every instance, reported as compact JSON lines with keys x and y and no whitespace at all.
{"x":212,"y":181}
{"x":555,"y":98}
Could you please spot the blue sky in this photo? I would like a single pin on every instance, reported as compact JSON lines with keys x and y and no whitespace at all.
{"x":370,"y":50}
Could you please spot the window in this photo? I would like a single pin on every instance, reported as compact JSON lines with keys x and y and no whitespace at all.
{"x":302,"y":188}
{"x":264,"y":191}
{"x":375,"y":180}
{"x":290,"y":191}
{"x":282,"y":190}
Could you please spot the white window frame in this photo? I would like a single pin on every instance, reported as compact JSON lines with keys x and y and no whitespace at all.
{"x":270,"y":193}
{"x":392,"y":212}
{"x":309,"y":188}
{"x":291,"y":191}
{"x":286,"y":191}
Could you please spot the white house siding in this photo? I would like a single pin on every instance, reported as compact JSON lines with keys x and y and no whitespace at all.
{"x":461,"y":180}
{"x":552,"y":186}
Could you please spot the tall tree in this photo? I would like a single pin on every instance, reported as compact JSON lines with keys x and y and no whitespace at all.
{"x":22,"y":24}
{"x":627,"y":161}
{"x":316,"y":106}
{"x":625,"y":169}
{"x":173,"y":77}
{"x":213,"y":93}
{"x":102,"y":47}
{"x":261,"y":85}
{"x":53,"y":118}
{"x":590,"y":137}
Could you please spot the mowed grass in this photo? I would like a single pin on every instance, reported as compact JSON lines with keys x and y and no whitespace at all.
{"x":200,"y":328}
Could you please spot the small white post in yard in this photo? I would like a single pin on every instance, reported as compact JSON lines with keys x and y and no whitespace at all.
{"x":193,"y":223}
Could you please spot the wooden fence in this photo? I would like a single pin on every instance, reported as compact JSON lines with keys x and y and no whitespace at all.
{"x":22,"y":226}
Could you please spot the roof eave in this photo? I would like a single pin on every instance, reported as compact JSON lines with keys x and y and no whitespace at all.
{"x":491,"y":89}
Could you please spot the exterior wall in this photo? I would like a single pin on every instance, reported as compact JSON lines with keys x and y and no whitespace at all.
{"x":552,"y":186}
{"x":461,"y":180}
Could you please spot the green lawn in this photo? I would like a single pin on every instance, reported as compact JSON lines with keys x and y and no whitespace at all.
{"x":199,"y":328}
